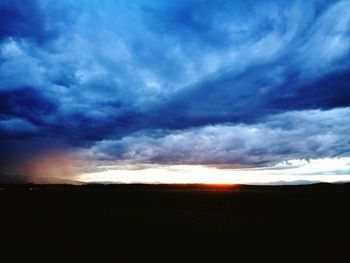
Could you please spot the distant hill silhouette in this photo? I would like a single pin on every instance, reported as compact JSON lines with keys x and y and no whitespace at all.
{"x":12,"y":179}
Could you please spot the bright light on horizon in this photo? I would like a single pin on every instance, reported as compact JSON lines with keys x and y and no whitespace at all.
{"x":293,"y":171}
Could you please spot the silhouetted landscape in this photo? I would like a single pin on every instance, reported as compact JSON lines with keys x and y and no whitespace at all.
{"x":176,"y":223}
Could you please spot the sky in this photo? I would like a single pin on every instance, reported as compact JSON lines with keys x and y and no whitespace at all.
{"x":174,"y":91}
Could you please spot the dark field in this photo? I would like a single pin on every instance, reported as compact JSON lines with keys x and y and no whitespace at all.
{"x":170,"y":223}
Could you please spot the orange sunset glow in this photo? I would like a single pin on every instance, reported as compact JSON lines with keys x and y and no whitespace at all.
{"x":54,"y":167}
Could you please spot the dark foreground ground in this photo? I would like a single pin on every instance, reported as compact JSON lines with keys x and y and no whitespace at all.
{"x":169,"y":223}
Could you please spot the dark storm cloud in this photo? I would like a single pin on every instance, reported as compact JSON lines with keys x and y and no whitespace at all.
{"x":26,"y":103}
{"x":251,"y":96}
{"x":24,"y":19}
{"x":89,"y":72}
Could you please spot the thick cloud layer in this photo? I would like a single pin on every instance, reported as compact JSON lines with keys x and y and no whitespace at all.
{"x":293,"y":135}
{"x":187,"y":81}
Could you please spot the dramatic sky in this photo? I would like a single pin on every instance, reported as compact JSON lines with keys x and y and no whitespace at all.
{"x":174,"y":91}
